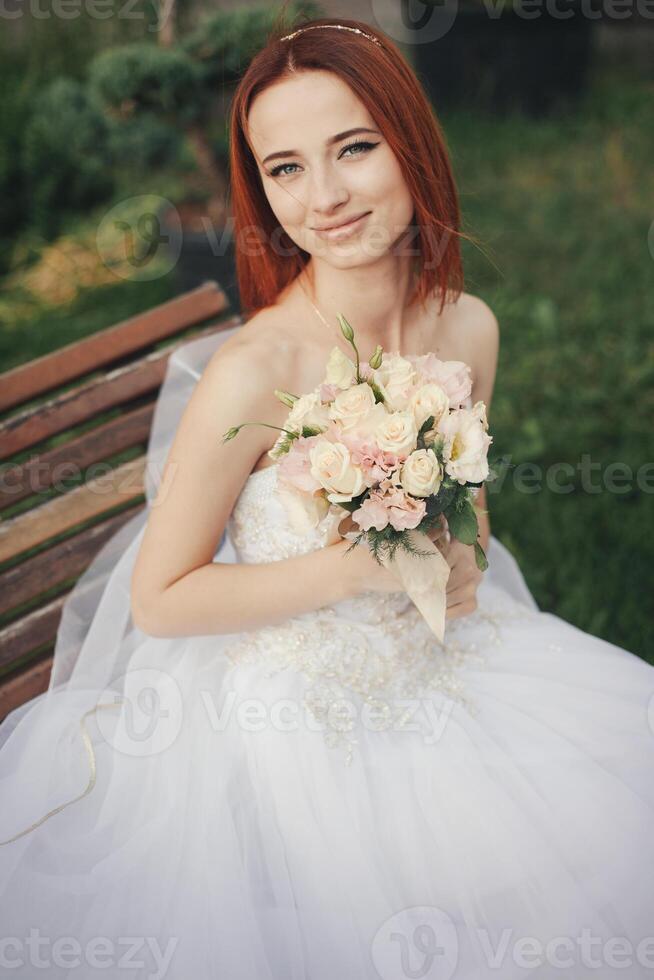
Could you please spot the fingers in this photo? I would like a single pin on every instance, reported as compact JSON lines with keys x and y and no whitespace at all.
{"x":461,"y":609}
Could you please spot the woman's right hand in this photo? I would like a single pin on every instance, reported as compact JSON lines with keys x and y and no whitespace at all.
{"x":364,"y":572}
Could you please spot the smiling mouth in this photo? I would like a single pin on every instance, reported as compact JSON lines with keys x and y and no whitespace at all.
{"x":340,"y":230}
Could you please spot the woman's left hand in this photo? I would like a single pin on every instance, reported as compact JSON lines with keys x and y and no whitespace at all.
{"x":465,"y":576}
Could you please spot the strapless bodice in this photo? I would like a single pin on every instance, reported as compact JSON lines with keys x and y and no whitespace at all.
{"x":258,"y":526}
{"x":259,"y":530}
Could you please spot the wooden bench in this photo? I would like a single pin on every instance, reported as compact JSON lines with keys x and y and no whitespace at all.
{"x":87,"y":403}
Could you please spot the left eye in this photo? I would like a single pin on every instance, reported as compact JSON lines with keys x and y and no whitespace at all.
{"x":363,"y":145}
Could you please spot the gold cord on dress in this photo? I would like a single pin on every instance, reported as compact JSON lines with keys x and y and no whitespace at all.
{"x":88,"y":745}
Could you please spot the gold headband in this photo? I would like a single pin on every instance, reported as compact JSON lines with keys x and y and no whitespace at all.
{"x":338,"y":27}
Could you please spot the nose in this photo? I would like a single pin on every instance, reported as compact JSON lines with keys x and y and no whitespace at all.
{"x":327,"y":194}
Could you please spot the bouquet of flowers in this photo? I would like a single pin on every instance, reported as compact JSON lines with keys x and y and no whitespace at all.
{"x":389,"y":443}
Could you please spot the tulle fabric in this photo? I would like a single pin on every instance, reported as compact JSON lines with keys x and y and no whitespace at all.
{"x":215,"y":847}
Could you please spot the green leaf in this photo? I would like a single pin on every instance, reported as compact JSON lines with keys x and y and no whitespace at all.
{"x":480,"y":557}
{"x":463,"y":523}
{"x":376,"y":390}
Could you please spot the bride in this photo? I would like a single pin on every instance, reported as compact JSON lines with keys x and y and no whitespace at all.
{"x":254,"y":760}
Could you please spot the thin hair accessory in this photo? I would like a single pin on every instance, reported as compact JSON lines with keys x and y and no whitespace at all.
{"x":338,"y":27}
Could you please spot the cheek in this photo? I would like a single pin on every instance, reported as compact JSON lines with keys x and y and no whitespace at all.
{"x":385,"y":183}
{"x":286,"y":207}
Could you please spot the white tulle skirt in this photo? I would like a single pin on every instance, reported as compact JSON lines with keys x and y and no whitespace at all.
{"x":229,"y":841}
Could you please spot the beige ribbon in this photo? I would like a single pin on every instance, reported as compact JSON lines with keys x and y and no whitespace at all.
{"x":424,"y":578}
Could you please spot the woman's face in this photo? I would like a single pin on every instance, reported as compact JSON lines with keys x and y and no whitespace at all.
{"x":313,"y":180}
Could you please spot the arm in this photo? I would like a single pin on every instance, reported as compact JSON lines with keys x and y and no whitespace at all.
{"x":484,"y":352}
{"x":482,"y":336}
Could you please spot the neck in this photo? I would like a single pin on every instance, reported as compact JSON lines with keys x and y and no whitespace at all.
{"x":374,"y":300}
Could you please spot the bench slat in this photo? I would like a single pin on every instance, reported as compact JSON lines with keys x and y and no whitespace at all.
{"x":121,"y":486}
{"x":25,"y":635}
{"x":24,"y":685}
{"x":82,"y":403}
{"x":63,"y":561}
{"x":39,"y":472}
{"x":67,"y":363}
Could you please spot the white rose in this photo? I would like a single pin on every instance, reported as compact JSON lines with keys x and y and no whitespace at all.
{"x":340,"y":371}
{"x":397,"y":433}
{"x":305,"y":511}
{"x":351,"y":407}
{"x":332,"y":467}
{"x":421,"y":474}
{"x":429,"y":399}
{"x":395,"y":377}
{"x":466,"y":444}
{"x":307,"y":410}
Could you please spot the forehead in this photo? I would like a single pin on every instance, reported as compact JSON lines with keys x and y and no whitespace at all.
{"x":302,"y":111}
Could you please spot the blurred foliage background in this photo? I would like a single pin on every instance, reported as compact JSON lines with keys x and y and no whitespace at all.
{"x":562,"y":203}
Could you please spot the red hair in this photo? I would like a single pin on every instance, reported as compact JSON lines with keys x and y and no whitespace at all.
{"x":382,"y":79}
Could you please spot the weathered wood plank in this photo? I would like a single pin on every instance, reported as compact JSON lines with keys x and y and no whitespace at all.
{"x":25,"y":684}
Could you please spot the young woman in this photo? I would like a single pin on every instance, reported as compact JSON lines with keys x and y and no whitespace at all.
{"x":302,"y":782}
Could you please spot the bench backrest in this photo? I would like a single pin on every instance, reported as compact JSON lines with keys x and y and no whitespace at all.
{"x":61,"y":415}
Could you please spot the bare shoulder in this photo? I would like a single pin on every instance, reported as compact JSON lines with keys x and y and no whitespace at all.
{"x":248,"y":348}
{"x":477,"y":322}
{"x":478,"y":329}
{"x":254,"y":359}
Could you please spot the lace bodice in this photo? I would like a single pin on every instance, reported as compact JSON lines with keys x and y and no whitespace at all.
{"x":374,"y":647}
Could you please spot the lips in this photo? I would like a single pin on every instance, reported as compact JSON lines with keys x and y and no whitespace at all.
{"x":342,"y":229}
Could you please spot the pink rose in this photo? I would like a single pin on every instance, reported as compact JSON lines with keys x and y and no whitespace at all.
{"x":372,"y":513}
{"x":377,"y":464}
{"x":295,"y":466}
{"x":405,"y":512}
{"x":328,"y":392}
{"x":452,"y":376}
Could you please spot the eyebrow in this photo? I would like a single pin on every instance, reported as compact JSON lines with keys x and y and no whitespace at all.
{"x":330,"y":142}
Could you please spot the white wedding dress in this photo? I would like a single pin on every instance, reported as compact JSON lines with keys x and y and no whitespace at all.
{"x":336,"y":797}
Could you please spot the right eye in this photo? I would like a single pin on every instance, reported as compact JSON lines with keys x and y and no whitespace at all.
{"x":275,"y":172}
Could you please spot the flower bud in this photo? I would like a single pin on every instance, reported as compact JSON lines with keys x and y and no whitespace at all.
{"x":231,"y":433}
{"x":285,"y":397}
{"x":376,"y":359}
{"x":346,"y":329}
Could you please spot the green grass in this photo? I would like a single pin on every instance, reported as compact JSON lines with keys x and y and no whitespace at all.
{"x":563,"y":207}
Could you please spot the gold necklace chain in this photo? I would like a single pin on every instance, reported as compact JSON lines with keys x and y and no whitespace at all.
{"x":312,"y":303}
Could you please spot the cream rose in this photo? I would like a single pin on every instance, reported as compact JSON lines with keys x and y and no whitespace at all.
{"x":304,"y":511}
{"x":332,"y":467}
{"x":466,"y":444}
{"x":351,"y":407}
{"x":421,"y":474}
{"x":395,"y":377}
{"x":429,"y":399}
{"x":307,"y":410}
{"x":340,"y":371}
{"x":397,"y":433}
